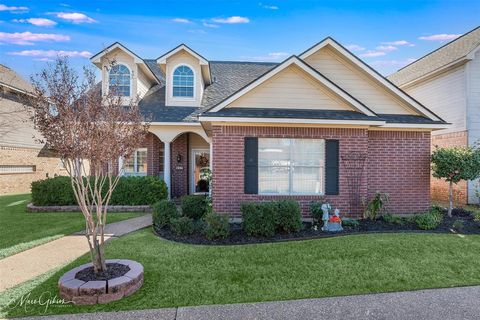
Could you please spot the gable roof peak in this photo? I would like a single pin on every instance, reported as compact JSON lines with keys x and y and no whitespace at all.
{"x":163,"y":58}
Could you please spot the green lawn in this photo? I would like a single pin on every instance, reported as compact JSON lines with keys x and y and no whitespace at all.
{"x":184,"y":275}
{"x":20,"y":230}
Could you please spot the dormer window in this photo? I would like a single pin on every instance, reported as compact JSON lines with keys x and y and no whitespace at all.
{"x":119,"y":80}
{"x":183,"y":82}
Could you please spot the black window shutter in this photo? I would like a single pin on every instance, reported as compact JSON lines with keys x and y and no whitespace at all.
{"x":332,"y":162}
{"x":251,"y":166}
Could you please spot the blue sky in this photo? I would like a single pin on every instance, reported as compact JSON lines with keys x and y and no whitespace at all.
{"x":385,"y":34}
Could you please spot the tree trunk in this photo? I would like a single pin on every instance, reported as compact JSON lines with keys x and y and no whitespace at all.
{"x":450,"y":198}
{"x":98,"y":260}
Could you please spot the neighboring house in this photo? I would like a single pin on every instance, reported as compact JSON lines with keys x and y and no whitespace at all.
{"x":447,"y":81}
{"x":322,"y":123}
{"x":22,"y":158}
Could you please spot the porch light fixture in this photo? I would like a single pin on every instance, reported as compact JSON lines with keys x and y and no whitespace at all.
{"x":179,"y":158}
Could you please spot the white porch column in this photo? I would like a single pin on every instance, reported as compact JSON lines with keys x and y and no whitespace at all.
{"x":166,"y":166}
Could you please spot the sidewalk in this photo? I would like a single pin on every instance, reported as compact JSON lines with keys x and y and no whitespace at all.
{"x":451,"y":303}
{"x":31,"y":263}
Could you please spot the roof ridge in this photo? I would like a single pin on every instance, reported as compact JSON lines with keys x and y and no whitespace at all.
{"x":439,"y":48}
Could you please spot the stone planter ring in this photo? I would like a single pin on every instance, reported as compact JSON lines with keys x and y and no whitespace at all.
{"x":81,"y":292}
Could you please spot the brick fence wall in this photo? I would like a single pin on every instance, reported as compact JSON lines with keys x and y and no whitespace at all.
{"x":410,"y":172}
{"x":439,"y":188}
{"x":46,"y":165}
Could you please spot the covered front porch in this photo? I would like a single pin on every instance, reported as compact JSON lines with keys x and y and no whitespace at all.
{"x":180,"y":155}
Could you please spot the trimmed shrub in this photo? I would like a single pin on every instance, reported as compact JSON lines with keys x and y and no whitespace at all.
{"x":316,"y":211}
{"x":216,"y":226}
{"x":428,"y":221}
{"x":258,"y":218}
{"x":194,"y":206}
{"x":182,"y":226}
{"x":136,"y":191}
{"x":288,"y":216}
{"x":389,"y":218}
{"x":458,"y":225}
{"x":163,"y":212}
{"x":53,"y":192}
{"x":476,"y":216}
{"x":129,"y":191}
{"x":353,"y":223}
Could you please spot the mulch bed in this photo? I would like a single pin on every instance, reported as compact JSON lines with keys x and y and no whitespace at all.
{"x":114,"y":270}
{"x":238,"y":236}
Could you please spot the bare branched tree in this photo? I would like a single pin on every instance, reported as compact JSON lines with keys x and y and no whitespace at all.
{"x":87,"y":129}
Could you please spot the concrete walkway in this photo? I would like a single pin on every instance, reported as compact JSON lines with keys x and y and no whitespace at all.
{"x":451,"y":303}
{"x":31,"y":263}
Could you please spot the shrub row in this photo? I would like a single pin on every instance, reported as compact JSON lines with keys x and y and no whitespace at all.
{"x":195,"y":217}
{"x":129,"y":191}
{"x":267,"y":218}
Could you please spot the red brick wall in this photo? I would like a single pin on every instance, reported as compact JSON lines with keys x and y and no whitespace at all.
{"x":179,"y":170}
{"x":439,"y":188}
{"x":410,"y":171}
{"x":153,"y":145}
{"x":399,"y":164}
{"x":228,"y":157}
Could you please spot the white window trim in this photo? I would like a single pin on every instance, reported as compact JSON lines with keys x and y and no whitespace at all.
{"x":170,"y":90}
{"x":131,"y":79}
{"x":121,"y":168}
{"x":290,"y":173}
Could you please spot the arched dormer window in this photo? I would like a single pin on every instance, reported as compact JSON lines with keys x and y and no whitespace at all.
{"x":119,"y":80}
{"x":183,"y":82}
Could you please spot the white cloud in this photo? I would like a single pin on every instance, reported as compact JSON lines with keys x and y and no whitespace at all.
{"x":75,"y":17}
{"x":181,"y":20}
{"x":197,"y":31}
{"x":13,"y":9}
{"x":43,"y":55}
{"x":210,"y":25}
{"x":28,"y":38}
{"x":392,"y":63}
{"x":355,"y":47}
{"x":371,"y":54}
{"x":231,"y":20}
{"x":399,"y":43}
{"x":386,"y":48}
{"x":41,"y":22}
{"x":268,"y":6}
{"x":272,"y":56}
{"x":440,"y":37}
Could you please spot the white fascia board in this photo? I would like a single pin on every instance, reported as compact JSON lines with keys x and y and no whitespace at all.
{"x":196,"y":124}
{"x":285,"y":120}
{"x":417,"y":106}
{"x":302,"y":65}
{"x":97,"y":58}
{"x":436,"y":126}
{"x":163,"y":59}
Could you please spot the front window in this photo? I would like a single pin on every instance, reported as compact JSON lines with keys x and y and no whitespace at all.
{"x":291,"y":166}
{"x":136,"y":165}
{"x":183,"y":82}
{"x":119,"y":80}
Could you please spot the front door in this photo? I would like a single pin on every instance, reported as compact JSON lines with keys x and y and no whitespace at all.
{"x":200,"y":169}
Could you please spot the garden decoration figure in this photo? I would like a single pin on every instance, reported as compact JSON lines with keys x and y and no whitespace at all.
{"x":334,"y":223}
{"x":325,"y":208}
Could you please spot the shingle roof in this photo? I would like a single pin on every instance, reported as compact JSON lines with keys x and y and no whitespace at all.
{"x":443,"y":56}
{"x":317,"y":114}
{"x":13,"y":79}
{"x":228,"y":77}
{"x":291,"y":114}
{"x":153,"y":108}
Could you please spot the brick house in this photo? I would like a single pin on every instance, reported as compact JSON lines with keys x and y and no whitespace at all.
{"x":22,"y":158}
{"x":320,"y":124}
{"x":447,"y":81}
